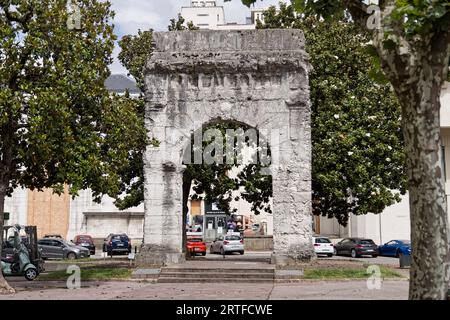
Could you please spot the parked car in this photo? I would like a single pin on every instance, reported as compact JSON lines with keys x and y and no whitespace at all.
{"x":86,"y":242}
{"x":323,"y":245}
{"x":228,"y":243}
{"x":356,"y":247}
{"x":395,"y":248}
{"x":117,"y":243}
{"x":196,"y":246}
{"x":60,"y":249}
{"x":55,"y":236}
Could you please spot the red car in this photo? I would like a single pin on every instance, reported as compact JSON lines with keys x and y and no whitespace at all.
{"x":196,"y":246}
{"x":85,"y":241}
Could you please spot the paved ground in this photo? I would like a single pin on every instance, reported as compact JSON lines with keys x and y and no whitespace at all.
{"x":306,"y":289}
{"x":327,"y":290}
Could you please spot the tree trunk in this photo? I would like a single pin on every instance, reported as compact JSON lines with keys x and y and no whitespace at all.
{"x":428,"y":205}
{"x":5,"y":288}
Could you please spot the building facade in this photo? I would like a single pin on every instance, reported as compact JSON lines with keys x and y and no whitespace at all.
{"x":207,"y":15}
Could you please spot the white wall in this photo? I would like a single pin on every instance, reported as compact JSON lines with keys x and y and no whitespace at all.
{"x":111,"y":219}
{"x":100,"y":225}
{"x":393,"y":222}
{"x":17,"y":206}
{"x":331,"y":227}
{"x":445,"y":106}
{"x":204,"y":17}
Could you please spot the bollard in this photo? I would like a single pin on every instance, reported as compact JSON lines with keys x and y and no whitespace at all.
{"x":405,"y":260}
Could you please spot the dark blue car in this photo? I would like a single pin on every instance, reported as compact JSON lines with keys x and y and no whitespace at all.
{"x":117,"y":244}
{"x":395,"y":248}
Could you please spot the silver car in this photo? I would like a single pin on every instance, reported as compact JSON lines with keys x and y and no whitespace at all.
{"x":225,"y":244}
{"x":60,"y":249}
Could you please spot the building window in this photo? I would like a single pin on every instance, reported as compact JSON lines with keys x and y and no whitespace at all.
{"x":202,"y":15}
{"x":202,"y":24}
{"x":218,"y":18}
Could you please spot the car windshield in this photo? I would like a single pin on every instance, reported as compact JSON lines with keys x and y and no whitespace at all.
{"x":84,"y":239}
{"x":195,"y":240}
{"x":232,"y":238}
{"x":322,"y":240}
{"x":366,"y":241}
{"x":119,"y":238}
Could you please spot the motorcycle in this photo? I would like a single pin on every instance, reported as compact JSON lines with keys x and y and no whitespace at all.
{"x":18,"y":263}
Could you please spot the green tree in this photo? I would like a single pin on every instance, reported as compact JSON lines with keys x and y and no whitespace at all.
{"x":412,"y":40}
{"x":358,"y":156}
{"x":179,"y":24}
{"x":58,"y":124}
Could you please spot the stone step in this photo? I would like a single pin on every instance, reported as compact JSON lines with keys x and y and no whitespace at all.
{"x":211,"y":275}
{"x":217,"y":270}
{"x":163,"y":279}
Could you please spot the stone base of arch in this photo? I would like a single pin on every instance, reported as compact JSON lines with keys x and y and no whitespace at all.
{"x":256,"y":77}
{"x":154,"y":255}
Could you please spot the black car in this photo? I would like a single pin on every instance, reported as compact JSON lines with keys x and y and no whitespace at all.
{"x":356,"y":247}
{"x":117,"y":244}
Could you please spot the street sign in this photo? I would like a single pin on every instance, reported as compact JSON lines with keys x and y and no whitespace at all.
{"x":6,"y":216}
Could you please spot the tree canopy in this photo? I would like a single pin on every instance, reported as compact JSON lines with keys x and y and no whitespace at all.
{"x":58,"y":123}
{"x":358,"y":157}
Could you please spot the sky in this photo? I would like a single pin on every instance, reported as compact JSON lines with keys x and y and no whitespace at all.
{"x":132,"y":15}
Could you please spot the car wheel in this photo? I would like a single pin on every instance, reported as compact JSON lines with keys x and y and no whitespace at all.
{"x":374,"y":255}
{"x":31,"y":274}
{"x":211,"y":251}
{"x":203,"y":253}
{"x":335,"y":252}
{"x":397,"y":254}
{"x":353,"y":253}
{"x":222,"y":252}
{"x":329,"y":255}
{"x":241,"y":252}
{"x":71,"y":256}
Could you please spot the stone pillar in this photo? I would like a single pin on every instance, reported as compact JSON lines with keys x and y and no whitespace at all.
{"x":163,"y":210}
{"x":292,"y":207}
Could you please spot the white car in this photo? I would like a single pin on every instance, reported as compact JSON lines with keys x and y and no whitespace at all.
{"x":323,"y":245}
{"x":227,"y":244}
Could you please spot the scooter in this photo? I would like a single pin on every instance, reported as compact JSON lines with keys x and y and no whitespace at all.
{"x":19,"y":263}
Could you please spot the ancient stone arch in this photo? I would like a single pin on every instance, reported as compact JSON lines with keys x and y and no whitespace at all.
{"x":258,"y":77}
